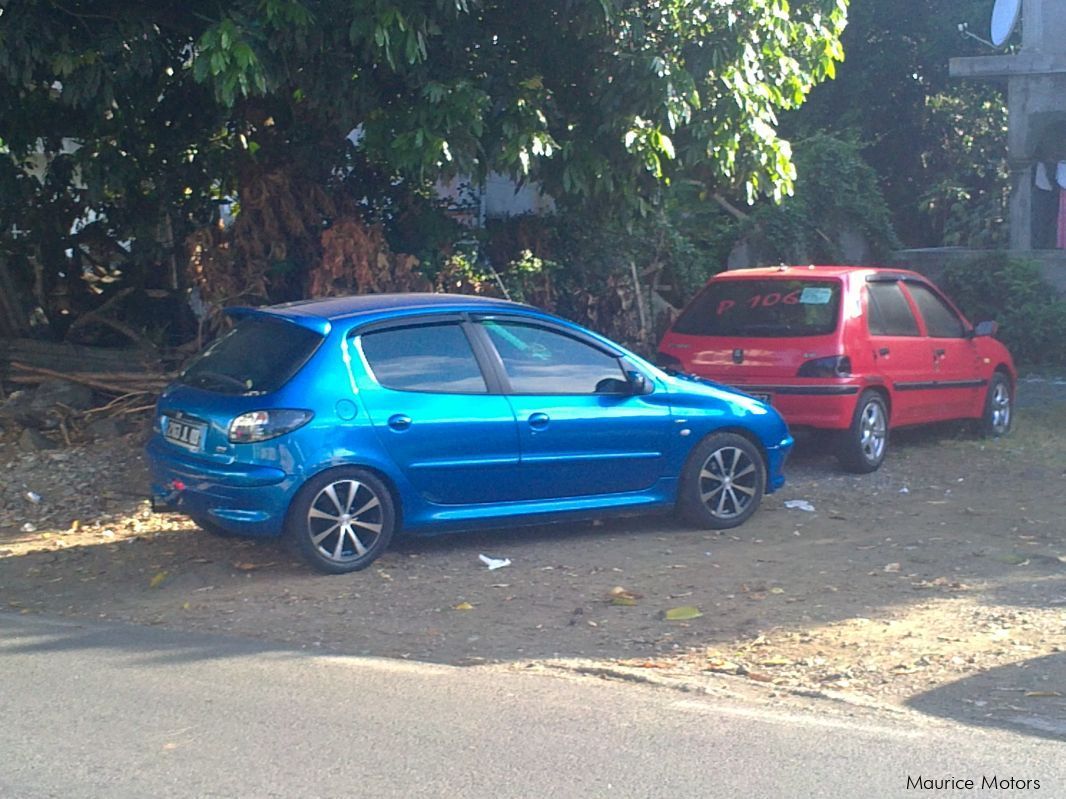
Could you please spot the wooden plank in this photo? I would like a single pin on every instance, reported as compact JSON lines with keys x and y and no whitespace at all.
{"x":64,"y":357}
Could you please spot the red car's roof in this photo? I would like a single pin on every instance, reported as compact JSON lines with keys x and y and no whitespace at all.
{"x":813,"y":270}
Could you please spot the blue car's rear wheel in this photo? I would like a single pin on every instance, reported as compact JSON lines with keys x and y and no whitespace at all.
{"x":723,"y":482}
{"x":342,"y":520}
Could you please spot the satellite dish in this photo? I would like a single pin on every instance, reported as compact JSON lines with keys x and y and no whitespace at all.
{"x":1004,"y":19}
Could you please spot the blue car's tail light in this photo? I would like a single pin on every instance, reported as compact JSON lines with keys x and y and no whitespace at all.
{"x":833,"y":366}
{"x":264,"y":425}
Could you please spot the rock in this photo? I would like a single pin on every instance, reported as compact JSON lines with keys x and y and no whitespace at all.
{"x":32,"y":441}
{"x":16,"y":410}
{"x":38,"y":409}
{"x":102,"y":428}
{"x":62,"y":392}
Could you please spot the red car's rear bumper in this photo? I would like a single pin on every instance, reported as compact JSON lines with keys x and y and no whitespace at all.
{"x":826,"y":404}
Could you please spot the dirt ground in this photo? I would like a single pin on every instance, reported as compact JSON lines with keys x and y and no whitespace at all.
{"x":934,"y":586}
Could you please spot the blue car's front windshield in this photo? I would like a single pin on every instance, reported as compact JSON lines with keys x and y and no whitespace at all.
{"x":258,"y":356}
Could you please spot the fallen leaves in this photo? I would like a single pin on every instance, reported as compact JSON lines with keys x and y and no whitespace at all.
{"x":775,"y":661}
{"x":1013,"y":559}
{"x":723,"y":666}
{"x":249,"y":566}
{"x":941,"y":582}
{"x":158,"y":579}
{"x":758,"y":676}
{"x":623,"y":596}
{"x":683,"y":613}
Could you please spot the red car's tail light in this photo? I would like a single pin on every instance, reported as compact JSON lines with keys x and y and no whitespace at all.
{"x":833,"y":366}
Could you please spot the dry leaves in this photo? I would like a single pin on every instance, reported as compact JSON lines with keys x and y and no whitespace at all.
{"x":623,"y":596}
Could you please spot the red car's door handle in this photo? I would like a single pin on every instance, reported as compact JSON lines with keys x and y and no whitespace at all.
{"x":883,"y":351}
{"x":939,"y":353}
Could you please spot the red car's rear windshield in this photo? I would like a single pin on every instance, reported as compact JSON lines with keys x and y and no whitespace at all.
{"x":762,"y":309}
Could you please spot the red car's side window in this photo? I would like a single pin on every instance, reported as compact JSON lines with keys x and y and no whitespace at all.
{"x":940,"y":320}
{"x":889,"y":312}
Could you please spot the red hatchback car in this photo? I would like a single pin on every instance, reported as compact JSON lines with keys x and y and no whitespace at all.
{"x":853,"y":350}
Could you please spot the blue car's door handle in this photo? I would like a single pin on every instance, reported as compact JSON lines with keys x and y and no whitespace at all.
{"x":538,"y":421}
{"x":399,"y":421}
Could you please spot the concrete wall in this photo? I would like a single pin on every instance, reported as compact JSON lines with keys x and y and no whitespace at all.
{"x":931,"y":262}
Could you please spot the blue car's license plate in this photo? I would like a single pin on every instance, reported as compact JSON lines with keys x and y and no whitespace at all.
{"x":183,"y":433}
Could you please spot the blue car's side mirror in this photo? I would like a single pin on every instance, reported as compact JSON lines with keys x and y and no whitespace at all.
{"x":638,"y":383}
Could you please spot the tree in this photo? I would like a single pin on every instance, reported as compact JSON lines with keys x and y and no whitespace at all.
{"x":145,"y":117}
{"x":938,"y":144}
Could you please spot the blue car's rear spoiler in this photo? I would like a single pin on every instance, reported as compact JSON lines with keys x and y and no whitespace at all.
{"x":309,"y":321}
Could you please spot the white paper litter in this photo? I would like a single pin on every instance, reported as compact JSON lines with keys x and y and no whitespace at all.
{"x":494,"y":563}
{"x":799,"y":504}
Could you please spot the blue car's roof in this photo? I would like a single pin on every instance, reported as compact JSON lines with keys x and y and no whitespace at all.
{"x":320,"y":314}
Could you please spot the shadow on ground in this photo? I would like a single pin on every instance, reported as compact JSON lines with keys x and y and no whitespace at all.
{"x":1027,"y":697}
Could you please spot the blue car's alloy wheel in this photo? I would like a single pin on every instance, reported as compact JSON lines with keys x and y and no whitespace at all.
{"x":342,"y":520}
{"x":723,"y":481}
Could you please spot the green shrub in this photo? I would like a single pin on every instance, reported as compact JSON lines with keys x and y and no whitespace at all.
{"x":1031,"y":314}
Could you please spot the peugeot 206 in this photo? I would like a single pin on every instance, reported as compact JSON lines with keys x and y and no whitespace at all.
{"x":850,"y":351}
{"x":340,"y":422}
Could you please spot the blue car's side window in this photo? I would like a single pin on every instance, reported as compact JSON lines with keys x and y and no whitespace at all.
{"x":542,"y":361}
{"x":428,"y":358}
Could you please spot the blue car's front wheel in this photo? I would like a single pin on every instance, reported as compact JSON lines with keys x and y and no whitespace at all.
{"x":723,"y":481}
{"x":342,"y":520}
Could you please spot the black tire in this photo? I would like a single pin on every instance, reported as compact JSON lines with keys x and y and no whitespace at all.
{"x":342,"y":520}
{"x":863,"y":446}
{"x":998,"y":416}
{"x":723,"y":482}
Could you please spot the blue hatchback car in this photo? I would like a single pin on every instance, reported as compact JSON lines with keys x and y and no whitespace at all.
{"x":340,"y":422}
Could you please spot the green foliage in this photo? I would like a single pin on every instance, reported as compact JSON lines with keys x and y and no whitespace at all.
{"x":527,"y":274}
{"x":836,"y":192}
{"x":688,"y":236}
{"x":146,"y":116}
{"x":937,"y":143}
{"x":967,"y":198}
{"x":1011,"y":291}
{"x":226,"y":59}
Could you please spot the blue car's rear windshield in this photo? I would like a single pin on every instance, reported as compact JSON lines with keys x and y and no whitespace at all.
{"x":762,"y":309}
{"x":258,"y":356}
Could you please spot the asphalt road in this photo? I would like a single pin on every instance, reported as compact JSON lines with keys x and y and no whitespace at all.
{"x":121,"y":711}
